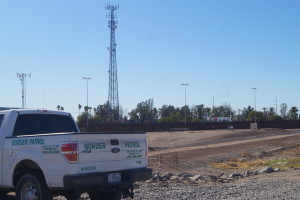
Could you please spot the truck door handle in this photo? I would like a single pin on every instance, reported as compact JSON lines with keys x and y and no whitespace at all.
{"x":114,"y":142}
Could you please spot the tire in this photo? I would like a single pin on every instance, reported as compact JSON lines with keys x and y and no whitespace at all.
{"x":32,"y":186}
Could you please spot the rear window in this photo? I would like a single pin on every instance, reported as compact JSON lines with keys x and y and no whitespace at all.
{"x":1,"y":119}
{"x":29,"y":124}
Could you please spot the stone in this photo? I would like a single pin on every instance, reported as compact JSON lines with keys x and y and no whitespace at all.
{"x":149,"y":181}
{"x":276,"y":169}
{"x":266,"y":170}
{"x":223,"y":176}
{"x":174,"y":177}
{"x":204,"y":178}
{"x":184,"y":174}
{"x":213,"y":178}
{"x":167,"y":175}
{"x":155,"y":174}
{"x":185,"y":177}
{"x":195,"y":178}
{"x":235,"y":176}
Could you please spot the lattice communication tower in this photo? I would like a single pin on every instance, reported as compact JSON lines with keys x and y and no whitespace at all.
{"x":113,"y":97}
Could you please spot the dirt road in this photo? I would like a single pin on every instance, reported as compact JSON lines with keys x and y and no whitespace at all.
{"x":171,"y":151}
{"x":266,"y":139}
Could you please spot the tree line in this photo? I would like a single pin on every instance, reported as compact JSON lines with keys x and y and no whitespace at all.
{"x":146,"y":112}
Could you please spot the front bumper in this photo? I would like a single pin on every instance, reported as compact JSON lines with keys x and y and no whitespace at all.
{"x":95,"y":180}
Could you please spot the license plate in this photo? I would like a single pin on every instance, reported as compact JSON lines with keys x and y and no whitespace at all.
{"x":114,"y":177}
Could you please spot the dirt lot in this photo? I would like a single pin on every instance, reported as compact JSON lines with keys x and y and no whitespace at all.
{"x":222,"y":151}
{"x":199,"y":151}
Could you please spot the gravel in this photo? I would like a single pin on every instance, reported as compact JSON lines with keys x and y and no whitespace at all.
{"x":281,"y":185}
{"x":274,"y":186}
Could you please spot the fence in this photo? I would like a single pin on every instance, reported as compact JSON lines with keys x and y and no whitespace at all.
{"x":157,"y":126}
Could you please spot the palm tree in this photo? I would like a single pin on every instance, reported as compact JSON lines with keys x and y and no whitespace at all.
{"x":294,"y":112}
{"x":58,"y":107}
{"x":79,"y":107}
{"x":62,"y":108}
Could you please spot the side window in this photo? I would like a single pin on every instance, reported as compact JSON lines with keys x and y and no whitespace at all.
{"x":1,"y":119}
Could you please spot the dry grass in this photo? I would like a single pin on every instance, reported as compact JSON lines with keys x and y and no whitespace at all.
{"x":246,"y":155}
{"x":238,"y":164}
{"x":288,"y":159}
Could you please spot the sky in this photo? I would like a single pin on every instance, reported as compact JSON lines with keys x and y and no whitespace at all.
{"x":221,"y":48}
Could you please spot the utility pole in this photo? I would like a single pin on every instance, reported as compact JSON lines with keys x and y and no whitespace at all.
{"x":276,"y":105}
{"x":184,"y":84}
{"x":113,"y":96}
{"x":22,"y":77}
{"x":87,"y":100}
{"x":254,"y":104}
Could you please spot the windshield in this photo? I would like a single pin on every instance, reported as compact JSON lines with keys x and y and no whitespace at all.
{"x":29,"y":124}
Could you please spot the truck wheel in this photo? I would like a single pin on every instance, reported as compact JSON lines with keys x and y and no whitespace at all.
{"x":32,"y":186}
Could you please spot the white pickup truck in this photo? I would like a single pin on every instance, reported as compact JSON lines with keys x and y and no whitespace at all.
{"x":43,"y":154}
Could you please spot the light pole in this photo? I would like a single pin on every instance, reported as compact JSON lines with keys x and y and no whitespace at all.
{"x":87,"y":100}
{"x":184,"y":84}
{"x":254,"y":89}
{"x":22,"y":77}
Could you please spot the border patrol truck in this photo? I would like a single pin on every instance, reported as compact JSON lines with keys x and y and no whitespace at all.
{"x":43,"y":154}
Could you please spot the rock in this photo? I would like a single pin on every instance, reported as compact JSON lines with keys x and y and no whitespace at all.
{"x":174,"y":177}
{"x":149,"y":181}
{"x":282,"y":186}
{"x":195,"y":178}
{"x":223,"y":176}
{"x":204,"y":178}
{"x":265,"y":170}
{"x":184,"y":174}
{"x":185,"y":177}
{"x":213,"y":178}
{"x":155,"y":176}
{"x":276,"y":169}
{"x":223,"y":181}
{"x":230,"y":179}
{"x":235,"y":176}
{"x":247,"y":173}
{"x":166,"y":175}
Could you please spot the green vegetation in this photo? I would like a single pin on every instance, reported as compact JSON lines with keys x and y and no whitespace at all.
{"x":284,"y":163}
{"x":146,"y":112}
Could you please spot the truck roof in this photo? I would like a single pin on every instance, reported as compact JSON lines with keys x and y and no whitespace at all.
{"x":34,"y":111}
